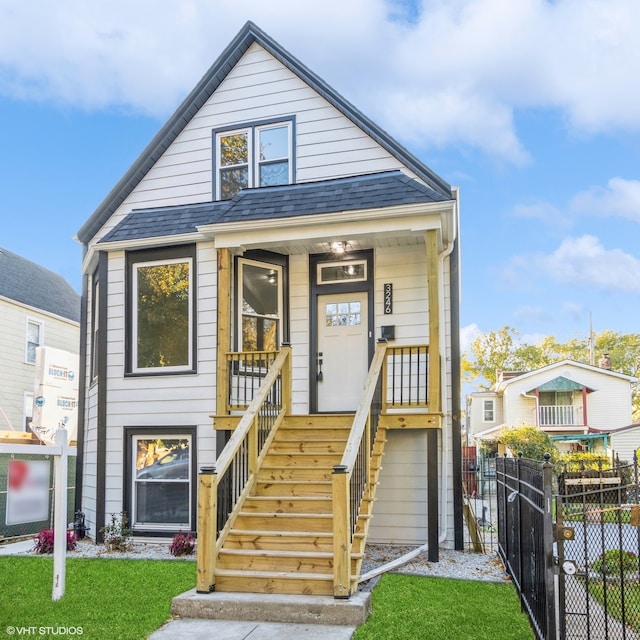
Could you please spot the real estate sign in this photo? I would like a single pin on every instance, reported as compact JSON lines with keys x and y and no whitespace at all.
{"x":28,"y":491}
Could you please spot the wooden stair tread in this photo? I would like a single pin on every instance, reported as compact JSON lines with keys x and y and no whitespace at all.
{"x":274,"y":574}
{"x":278,"y":514}
{"x":277,"y":553}
{"x":282,"y":534}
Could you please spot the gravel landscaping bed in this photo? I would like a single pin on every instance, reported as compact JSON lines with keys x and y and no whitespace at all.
{"x":452,"y":564}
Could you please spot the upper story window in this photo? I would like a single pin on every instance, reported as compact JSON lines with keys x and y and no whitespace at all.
{"x":259,"y":155}
{"x":161,"y":317}
{"x":34,"y":338}
{"x":488,"y":411}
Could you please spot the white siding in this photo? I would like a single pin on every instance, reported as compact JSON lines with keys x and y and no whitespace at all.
{"x":608,"y":407}
{"x":328,"y":145}
{"x":299,"y":327}
{"x":625,"y":443}
{"x":16,"y":375}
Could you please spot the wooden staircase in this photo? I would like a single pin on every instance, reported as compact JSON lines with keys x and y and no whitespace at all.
{"x":281,"y":539}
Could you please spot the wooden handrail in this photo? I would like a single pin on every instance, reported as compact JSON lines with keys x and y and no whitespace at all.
{"x":362,"y":414}
{"x":246,"y":433}
{"x":240,"y":432}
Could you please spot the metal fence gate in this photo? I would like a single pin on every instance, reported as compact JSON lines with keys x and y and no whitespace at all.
{"x":571,"y":544}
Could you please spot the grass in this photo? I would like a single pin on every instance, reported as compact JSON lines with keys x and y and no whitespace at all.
{"x":107,"y":598}
{"x":611,"y":596}
{"x":410,"y":607}
{"x":129,"y":599}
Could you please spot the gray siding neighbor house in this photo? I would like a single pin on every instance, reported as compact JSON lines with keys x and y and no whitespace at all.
{"x":37,"y":308}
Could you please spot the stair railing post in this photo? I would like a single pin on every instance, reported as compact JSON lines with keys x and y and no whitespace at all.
{"x":287,"y":377}
{"x":206,"y":552}
{"x":252,"y":444}
{"x":341,"y":533}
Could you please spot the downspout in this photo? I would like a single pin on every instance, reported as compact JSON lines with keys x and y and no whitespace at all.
{"x":585,"y":422}
{"x":455,"y":400}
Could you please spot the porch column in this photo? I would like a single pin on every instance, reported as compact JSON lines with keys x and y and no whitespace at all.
{"x":223,"y":332}
{"x":433,"y":296}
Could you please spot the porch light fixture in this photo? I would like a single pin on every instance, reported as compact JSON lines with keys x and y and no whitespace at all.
{"x":339,"y":246}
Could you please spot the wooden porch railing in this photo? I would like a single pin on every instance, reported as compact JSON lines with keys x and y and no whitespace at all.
{"x":397,"y":379}
{"x":351,"y":478}
{"x":222,"y":488}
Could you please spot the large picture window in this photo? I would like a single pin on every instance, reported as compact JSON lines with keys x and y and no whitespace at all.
{"x":162,"y":309}
{"x":259,"y":155}
{"x":160,"y":493}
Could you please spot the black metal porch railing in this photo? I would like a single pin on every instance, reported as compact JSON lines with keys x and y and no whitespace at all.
{"x":233,"y":480}
{"x":246,"y":370}
{"x":406,"y":376}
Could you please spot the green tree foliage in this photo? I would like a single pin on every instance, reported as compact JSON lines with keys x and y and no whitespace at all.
{"x":163,"y":315}
{"x":503,"y":350}
{"x":530,"y":441}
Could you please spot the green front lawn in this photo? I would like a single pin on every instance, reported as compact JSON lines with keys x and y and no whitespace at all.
{"x":414,"y":607}
{"x":107,"y":598}
{"x":129,"y":599}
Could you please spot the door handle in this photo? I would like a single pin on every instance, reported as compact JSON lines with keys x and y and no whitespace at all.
{"x":319,"y":375}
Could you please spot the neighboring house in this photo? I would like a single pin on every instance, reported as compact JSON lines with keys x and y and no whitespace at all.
{"x":269,"y":212}
{"x":571,"y":401}
{"x":623,"y":441}
{"x":37,"y":308}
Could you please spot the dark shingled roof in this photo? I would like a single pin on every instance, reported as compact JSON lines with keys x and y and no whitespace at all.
{"x":249,"y":34}
{"x":372,"y":191}
{"x":165,"y":221}
{"x":386,"y":189}
{"x":26,"y":282}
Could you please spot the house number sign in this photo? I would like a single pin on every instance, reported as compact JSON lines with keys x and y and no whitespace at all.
{"x":388,"y":298}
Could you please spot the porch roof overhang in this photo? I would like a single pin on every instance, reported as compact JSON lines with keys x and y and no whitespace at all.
{"x":561,"y":383}
{"x":363,"y":210}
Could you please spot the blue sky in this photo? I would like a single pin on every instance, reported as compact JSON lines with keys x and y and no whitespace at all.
{"x":532,"y":108}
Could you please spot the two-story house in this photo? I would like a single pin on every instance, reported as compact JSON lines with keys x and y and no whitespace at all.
{"x":574,"y":403}
{"x":271,"y":296}
{"x":37,"y":308}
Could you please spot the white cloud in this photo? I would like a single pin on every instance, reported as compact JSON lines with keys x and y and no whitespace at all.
{"x":467,"y":335}
{"x":584,"y":261}
{"x":620,"y":198}
{"x":453,"y":72}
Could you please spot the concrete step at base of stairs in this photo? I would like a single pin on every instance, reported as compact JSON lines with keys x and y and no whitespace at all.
{"x":272,"y":607}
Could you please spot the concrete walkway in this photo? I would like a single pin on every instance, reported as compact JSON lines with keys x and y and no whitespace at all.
{"x":191,"y":629}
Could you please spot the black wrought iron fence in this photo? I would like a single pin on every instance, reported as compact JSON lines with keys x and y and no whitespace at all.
{"x":525,"y":537}
{"x":571,"y":544}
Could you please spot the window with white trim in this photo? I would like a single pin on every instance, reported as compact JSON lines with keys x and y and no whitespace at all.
{"x":258,"y":155}
{"x":488,"y":410}
{"x":34,"y":339}
{"x":161,"y":316}
{"x":161,"y":495}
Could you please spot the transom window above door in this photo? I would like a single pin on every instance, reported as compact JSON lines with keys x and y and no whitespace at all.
{"x":259,"y":155}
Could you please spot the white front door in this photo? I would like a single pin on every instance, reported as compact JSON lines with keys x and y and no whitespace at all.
{"x":343,"y":348}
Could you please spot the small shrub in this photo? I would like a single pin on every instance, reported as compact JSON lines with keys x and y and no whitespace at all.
{"x":43,"y":542}
{"x":116,"y":534}
{"x":182,"y":545}
{"x":613,"y":560}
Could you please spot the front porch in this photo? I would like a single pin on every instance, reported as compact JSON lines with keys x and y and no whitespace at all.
{"x":286,"y":508}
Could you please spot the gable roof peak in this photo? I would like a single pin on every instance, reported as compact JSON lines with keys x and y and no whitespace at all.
{"x":203,"y":90}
